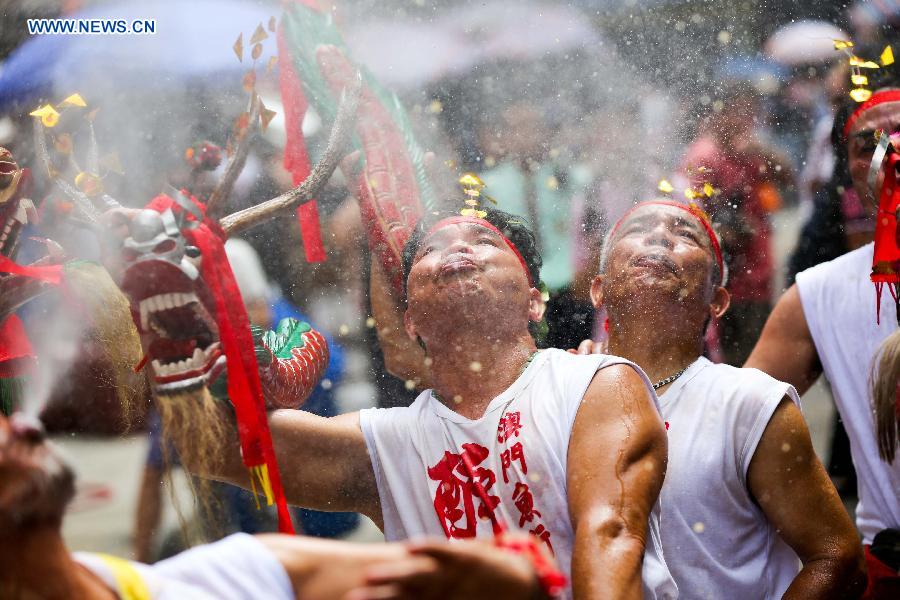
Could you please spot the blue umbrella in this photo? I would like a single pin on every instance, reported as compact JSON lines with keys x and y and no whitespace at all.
{"x":192,"y":40}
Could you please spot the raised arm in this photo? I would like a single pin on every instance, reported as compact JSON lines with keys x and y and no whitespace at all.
{"x":794,"y":491}
{"x":785,"y":349}
{"x":616,"y":466}
{"x":324,"y":462}
{"x":403,"y":357}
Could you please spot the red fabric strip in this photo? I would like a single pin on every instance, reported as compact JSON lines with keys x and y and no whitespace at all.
{"x":886,"y":255}
{"x":714,"y":242}
{"x":876,"y":99}
{"x":49,"y":273}
{"x":244,"y":388}
{"x":486,"y":225}
{"x":296,"y":155}
{"x":311,"y":230}
{"x":16,"y":355}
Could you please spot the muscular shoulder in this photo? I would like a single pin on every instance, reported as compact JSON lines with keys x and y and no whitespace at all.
{"x":620,"y":388}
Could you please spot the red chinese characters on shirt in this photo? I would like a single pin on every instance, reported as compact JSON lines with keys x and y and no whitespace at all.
{"x":458,"y":493}
{"x":454,"y":500}
{"x":510,"y":424}
{"x":514,"y":452}
{"x":524,"y":501}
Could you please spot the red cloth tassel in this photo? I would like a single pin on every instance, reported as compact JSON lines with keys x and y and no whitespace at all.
{"x":886,"y":256}
{"x":49,"y":273}
{"x":296,"y":156}
{"x":244,"y":387}
{"x":311,"y":230}
{"x":16,"y":355}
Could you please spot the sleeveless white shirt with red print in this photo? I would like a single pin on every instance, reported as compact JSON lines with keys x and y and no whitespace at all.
{"x":517,"y":450}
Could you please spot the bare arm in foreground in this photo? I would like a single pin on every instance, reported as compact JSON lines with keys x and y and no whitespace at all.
{"x":403,"y":357}
{"x":616,"y":466}
{"x":469,"y":570}
{"x":323,"y":461}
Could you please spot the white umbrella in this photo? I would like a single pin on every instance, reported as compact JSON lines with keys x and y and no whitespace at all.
{"x":803,"y":43}
{"x":411,"y":52}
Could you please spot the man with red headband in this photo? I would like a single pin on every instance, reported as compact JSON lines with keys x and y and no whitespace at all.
{"x":745,"y":499}
{"x":569,"y":449}
{"x":828,"y":322}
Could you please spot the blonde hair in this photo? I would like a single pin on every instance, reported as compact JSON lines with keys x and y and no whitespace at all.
{"x":885,"y":380}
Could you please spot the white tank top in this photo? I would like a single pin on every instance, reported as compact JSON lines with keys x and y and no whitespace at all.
{"x":518,"y":449}
{"x":838,"y":301}
{"x":234,"y":568}
{"x":717,"y":539}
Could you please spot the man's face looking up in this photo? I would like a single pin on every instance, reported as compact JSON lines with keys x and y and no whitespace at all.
{"x":461,"y":268}
{"x":660,"y":252}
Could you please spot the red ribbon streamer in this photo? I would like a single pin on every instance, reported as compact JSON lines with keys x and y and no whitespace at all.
{"x":49,"y":273}
{"x":296,"y":156}
{"x":311,"y":230}
{"x":16,"y":353}
{"x":886,"y":255}
{"x":244,"y":387}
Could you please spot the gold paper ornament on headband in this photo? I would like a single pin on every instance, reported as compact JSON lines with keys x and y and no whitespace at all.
{"x":473,"y":187}
{"x":860,"y":92}
{"x":704,"y":191}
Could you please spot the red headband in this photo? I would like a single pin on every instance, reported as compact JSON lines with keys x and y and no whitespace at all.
{"x":486,"y":225}
{"x":875,"y":100}
{"x":696,"y":212}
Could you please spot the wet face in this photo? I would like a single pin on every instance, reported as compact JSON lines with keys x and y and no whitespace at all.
{"x":35,"y":483}
{"x":659,"y":252}
{"x":463,"y":270}
{"x":861,"y":144}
